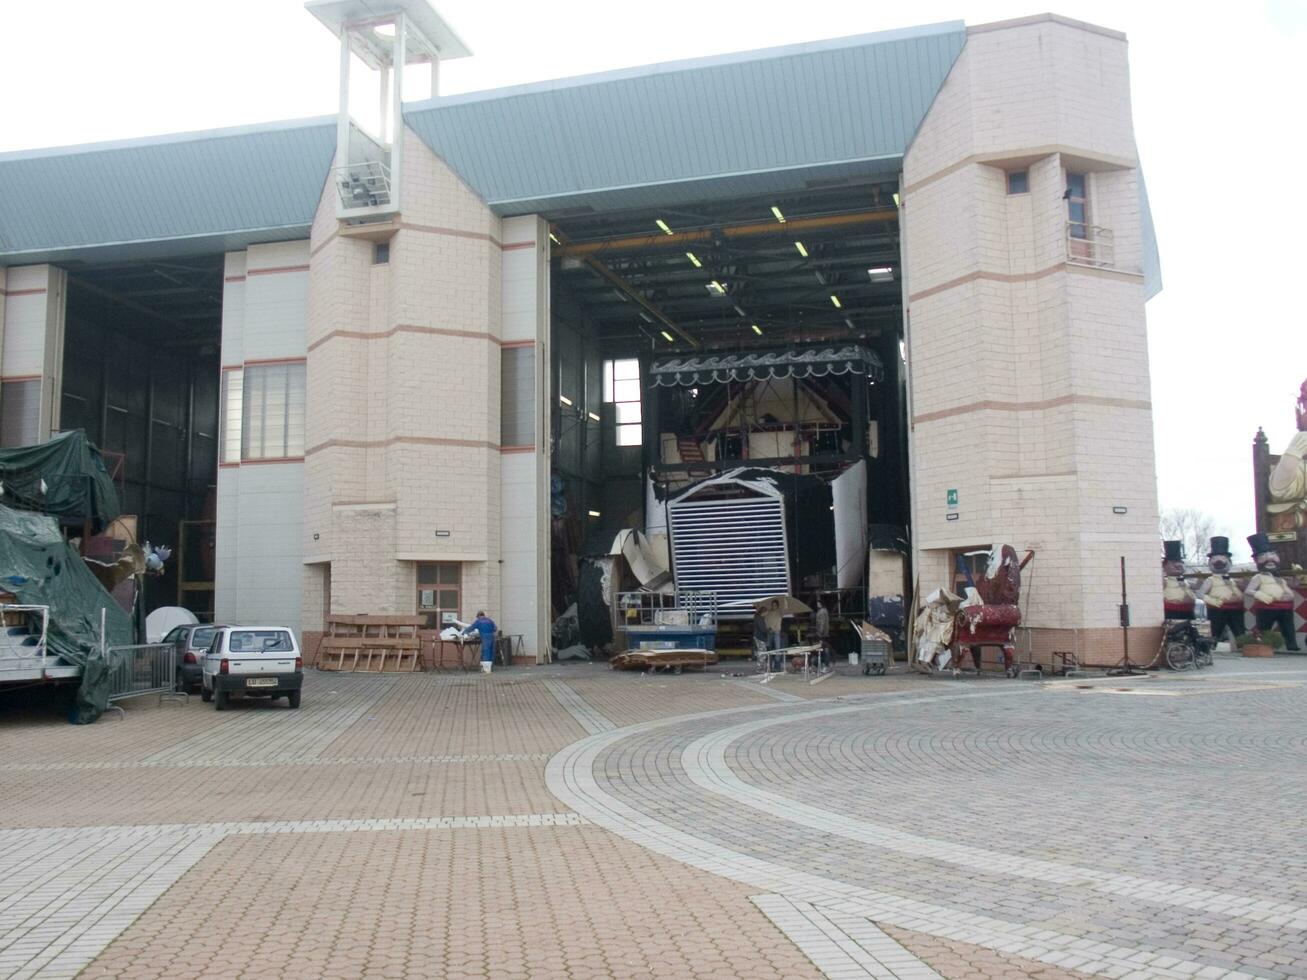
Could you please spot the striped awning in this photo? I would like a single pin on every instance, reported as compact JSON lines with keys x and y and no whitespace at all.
{"x":803,"y":362}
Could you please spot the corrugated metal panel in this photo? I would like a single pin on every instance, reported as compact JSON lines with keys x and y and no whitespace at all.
{"x":532,"y":149}
{"x":734,"y":548}
{"x":221,"y":183}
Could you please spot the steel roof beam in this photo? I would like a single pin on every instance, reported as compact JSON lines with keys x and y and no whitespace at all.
{"x":792,"y":227}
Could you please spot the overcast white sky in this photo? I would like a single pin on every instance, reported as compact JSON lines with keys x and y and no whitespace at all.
{"x":1219,"y":93}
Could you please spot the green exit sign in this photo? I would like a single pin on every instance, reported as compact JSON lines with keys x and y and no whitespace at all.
{"x":952,"y":498}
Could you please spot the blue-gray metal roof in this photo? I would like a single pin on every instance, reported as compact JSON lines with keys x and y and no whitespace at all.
{"x":210,"y":191}
{"x":653,"y":135}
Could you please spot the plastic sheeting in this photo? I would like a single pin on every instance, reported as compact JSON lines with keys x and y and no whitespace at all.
{"x":40,"y":568}
{"x":65,"y":477}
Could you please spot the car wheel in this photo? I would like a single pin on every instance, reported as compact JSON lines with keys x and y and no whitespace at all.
{"x":220,"y":700}
{"x":205,"y":694}
{"x":293,"y":699}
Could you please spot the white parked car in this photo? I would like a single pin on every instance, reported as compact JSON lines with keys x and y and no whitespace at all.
{"x":252,"y":662}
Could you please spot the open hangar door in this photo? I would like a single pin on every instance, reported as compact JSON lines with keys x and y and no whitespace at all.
{"x":757,"y":332}
{"x":141,"y":376}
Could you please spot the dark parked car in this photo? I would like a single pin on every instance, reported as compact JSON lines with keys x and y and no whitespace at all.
{"x":190,"y":643}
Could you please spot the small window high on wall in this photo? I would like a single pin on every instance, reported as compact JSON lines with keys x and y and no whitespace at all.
{"x":1077,"y":206}
{"x":263,"y":412}
{"x":622,"y":390}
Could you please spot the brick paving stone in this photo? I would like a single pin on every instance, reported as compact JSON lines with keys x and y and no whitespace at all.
{"x":1047,"y":830}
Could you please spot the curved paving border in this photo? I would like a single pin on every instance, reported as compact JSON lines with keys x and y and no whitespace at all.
{"x":705,"y":763}
{"x":570,"y":777}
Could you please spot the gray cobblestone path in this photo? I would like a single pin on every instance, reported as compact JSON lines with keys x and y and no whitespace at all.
{"x":1119,"y":836}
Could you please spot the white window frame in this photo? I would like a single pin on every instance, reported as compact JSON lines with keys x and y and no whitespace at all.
{"x":621,"y":382}
{"x":263,"y":412}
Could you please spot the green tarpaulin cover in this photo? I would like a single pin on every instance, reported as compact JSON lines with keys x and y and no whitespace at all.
{"x":77,"y":486}
{"x":40,"y":568}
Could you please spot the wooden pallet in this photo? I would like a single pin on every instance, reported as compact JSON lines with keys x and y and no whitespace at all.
{"x":372,"y":644}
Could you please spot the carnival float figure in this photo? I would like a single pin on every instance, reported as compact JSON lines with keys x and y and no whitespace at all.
{"x":1220,"y":592}
{"x":1271,"y":596}
{"x":1288,"y":480}
{"x":1177,"y":598}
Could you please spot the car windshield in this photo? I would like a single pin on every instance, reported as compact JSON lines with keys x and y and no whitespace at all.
{"x":201,"y":638}
{"x":260,"y":641}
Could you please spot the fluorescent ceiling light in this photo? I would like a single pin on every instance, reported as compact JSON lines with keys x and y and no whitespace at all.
{"x":740,"y":309}
{"x":593,"y":416}
{"x":554,"y":238}
{"x":695,"y":259}
{"x":848,"y":323}
{"x":645,"y":316}
{"x":820,"y":278}
{"x":836,"y":300}
{"x":594,"y":513}
{"x":896,"y":199}
{"x":757,"y":329}
{"x":881,"y":270}
{"x":777,"y":211}
{"x":802,"y":251}
{"x":717,"y":287}
{"x":564,"y":399}
{"x":670,"y":338}
{"x":663,"y":225}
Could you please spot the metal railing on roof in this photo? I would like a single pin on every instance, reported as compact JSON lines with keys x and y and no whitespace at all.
{"x":1090,"y":245}
{"x":363,"y":185}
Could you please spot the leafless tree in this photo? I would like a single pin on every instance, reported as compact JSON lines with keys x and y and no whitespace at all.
{"x":1190,"y":526}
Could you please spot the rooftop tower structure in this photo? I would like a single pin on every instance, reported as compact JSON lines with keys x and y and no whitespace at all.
{"x":384,"y":36}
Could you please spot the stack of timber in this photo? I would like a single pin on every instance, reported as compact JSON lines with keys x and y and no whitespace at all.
{"x":374,"y":644}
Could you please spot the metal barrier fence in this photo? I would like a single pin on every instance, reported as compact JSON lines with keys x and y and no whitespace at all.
{"x":150,"y":668}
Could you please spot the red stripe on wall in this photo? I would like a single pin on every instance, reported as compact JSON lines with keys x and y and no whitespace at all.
{"x":276,"y":269}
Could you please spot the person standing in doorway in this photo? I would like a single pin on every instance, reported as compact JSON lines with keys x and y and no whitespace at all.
{"x":822,"y":625}
{"x":484,"y":625}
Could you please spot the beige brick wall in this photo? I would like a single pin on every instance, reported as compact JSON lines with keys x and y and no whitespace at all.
{"x":1029,"y":375}
{"x":403,"y":399}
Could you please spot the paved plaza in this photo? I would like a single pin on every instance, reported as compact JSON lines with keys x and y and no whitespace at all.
{"x":575,"y":822}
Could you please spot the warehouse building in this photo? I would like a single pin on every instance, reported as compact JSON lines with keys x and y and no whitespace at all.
{"x":423,"y":356}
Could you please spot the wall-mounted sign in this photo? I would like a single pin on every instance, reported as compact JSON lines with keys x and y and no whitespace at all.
{"x":442,"y":534}
{"x":952,"y":498}
{"x":1282,"y":536}
{"x":952,"y":517}
{"x":448,"y":619}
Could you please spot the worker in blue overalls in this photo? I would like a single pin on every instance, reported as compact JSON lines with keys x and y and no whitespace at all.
{"x":484,"y":625}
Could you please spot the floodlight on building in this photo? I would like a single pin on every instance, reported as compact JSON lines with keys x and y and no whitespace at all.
{"x":757,"y":329}
{"x":777,"y":211}
{"x":663,"y":225}
{"x":565,"y":400}
{"x":694,"y":259}
{"x":802,"y":251}
{"x":836,"y":301}
{"x":669,"y":338}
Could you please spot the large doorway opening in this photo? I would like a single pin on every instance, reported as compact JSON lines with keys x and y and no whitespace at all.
{"x":141,"y":376}
{"x":689,"y":343}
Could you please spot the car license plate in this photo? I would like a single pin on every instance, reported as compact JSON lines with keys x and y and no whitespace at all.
{"x":261,"y":682}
